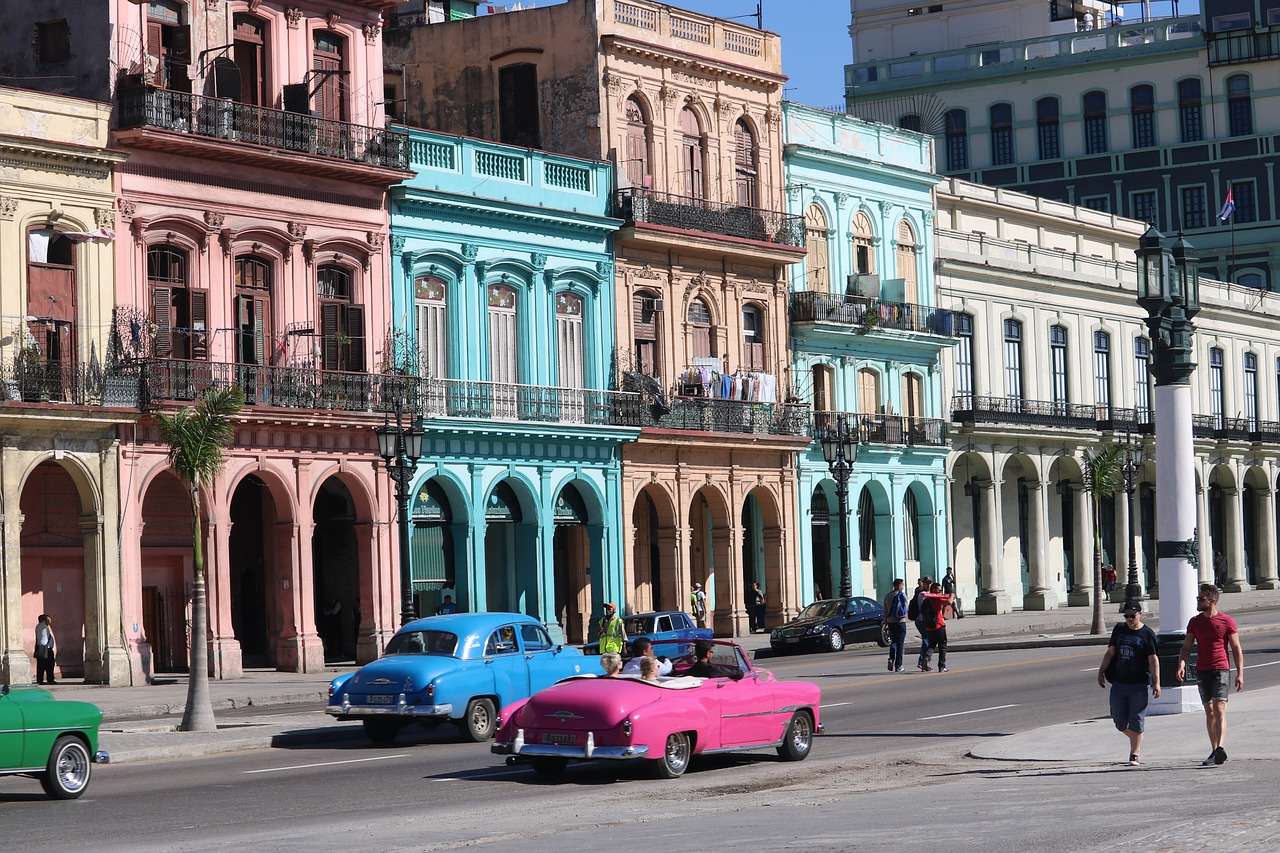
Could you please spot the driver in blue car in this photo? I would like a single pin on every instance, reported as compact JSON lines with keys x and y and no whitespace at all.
{"x":641,"y":648}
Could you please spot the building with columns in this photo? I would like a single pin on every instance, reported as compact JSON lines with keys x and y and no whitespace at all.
{"x":1051,"y":363}
{"x":503,"y":289}
{"x":688,"y":109}
{"x":59,"y":415}
{"x":867,"y":343}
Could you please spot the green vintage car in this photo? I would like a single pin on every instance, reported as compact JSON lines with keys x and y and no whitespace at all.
{"x":55,"y":742}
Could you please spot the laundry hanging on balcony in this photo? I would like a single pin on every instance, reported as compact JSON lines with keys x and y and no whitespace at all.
{"x":745,"y":385}
{"x":38,"y":241}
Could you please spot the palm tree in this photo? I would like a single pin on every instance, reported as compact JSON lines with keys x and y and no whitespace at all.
{"x":196,"y":437}
{"x":1102,"y":474}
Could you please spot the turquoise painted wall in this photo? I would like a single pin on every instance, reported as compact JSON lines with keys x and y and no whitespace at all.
{"x":846,"y":166}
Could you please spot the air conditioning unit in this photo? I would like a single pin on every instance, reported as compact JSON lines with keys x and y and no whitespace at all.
{"x":656,"y":305}
{"x":863,"y":284}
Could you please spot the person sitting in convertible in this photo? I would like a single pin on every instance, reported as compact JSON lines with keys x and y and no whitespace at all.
{"x":702,"y":666}
{"x":649,"y":668}
{"x":642,"y":650}
{"x":611,"y":664}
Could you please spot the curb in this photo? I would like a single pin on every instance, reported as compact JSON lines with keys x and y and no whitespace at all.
{"x":174,"y":748}
{"x":230,"y":703}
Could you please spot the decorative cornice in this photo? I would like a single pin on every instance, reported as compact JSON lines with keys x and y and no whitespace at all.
{"x":214,"y":219}
{"x":538,"y":260}
{"x":397,"y":243}
{"x":127,"y":209}
{"x":469,"y":252}
{"x":104,"y":217}
{"x":375,"y":240}
{"x":46,"y":158}
{"x":371,"y":32}
{"x":297,"y":230}
{"x":292,"y":16}
{"x":8,"y":204}
{"x":333,"y":19}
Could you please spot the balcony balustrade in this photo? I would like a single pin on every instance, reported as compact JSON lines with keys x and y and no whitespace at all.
{"x":37,"y":381}
{"x":637,"y":206}
{"x":967,"y":408}
{"x":733,"y":416}
{"x":887,"y":429}
{"x":224,"y":119}
{"x":867,"y":315}
{"x":464,"y":398}
{"x":1237,"y":47}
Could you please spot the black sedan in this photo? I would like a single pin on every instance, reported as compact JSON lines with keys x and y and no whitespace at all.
{"x":830,"y":624}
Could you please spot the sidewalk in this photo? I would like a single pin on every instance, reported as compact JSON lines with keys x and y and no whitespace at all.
{"x":1174,"y":738}
{"x":154,"y":740}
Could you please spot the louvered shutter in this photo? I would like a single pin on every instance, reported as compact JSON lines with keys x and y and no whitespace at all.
{"x":260,"y":331}
{"x":199,"y":323}
{"x":355,"y":334}
{"x":330,"y":317}
{"x":162,"y":315}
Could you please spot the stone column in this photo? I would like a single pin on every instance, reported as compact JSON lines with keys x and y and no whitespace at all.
{"x":730,"y":620}
{"x":225,"y":658}
{"x":1205,"y":574}
{"x":992,"y":599}
{"x":1040,"y":596}
{"x":1081,"y":594}
{"x":1266,"y":525}
{"x":1121,"y":555}
{"x":1233,"y":528}
{"x":16,"y":666}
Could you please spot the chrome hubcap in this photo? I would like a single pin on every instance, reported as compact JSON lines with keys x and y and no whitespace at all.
{"x":73,"y":768}
{"x":836,"y":640}
{"x":480,"y":719}
{"x":677,"y":752}
{"x":801,"y":734}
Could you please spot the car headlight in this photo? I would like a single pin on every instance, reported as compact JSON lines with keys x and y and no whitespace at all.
{"x":431,"y":691}
{"x":818,"y":629}
{"x":332,"y":689}
{"x":626,"y":727}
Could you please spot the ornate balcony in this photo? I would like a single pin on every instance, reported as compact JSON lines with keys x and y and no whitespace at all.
{"x":731,"y":416}
{"x":1224,"y":429}
{"x":222,"y":129}
{"x":888,"y":429}
{"x":867,"y":315}
{"x":970,"y":409}
{"x":464,"y":398}
{"x":640,"y":206}
{"x":37,"y":381}
{"x":1266,"y":432}
{"x":1234,"y":48}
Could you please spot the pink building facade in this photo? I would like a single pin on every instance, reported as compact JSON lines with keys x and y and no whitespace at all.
{"x":252,"y":222}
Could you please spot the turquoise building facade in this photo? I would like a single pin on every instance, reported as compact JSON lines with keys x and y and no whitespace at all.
{"x":503,"y":304}
{"x":867,"y":340}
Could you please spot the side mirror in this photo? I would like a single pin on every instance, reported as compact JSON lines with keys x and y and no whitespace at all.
{"x":738,"y":676}
{"x":4,"y":690}
{"x":559,"y":648}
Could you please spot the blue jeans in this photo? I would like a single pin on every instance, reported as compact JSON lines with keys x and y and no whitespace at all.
{"x":897,"y":640}
{"x":925,"y":652}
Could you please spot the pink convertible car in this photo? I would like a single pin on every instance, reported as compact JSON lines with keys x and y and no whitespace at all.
{"x":735,"y":707}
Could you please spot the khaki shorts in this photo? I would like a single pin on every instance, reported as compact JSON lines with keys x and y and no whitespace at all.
{"x":1214,"y":684}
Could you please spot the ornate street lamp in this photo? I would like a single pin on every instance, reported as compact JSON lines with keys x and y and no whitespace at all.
{"x":1132,"y":465}
{"x":840,"y":448}
{"x":1169,"y":290}
{"x":400,"y":446}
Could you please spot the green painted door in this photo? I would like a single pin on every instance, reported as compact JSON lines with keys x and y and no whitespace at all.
{"x":10,"y":734}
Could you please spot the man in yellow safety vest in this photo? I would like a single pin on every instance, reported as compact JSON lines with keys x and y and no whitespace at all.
{"x":613,"y":636}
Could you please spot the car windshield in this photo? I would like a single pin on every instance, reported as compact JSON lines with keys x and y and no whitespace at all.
{"x":423,"y":643}
{"x":820,"y":610}
{"x":725,"y":662}
{"x":638,"y":625}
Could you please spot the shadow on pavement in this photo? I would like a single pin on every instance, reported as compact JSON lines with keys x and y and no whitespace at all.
{"x":354,"y":738}
{"x":914,"y":734}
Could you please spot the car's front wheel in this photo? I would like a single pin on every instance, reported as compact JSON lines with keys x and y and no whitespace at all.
{"x":799,"y":738}
{"x":835,"y":640}
{"x":481,"y":719}
{"x":66,"y":776}
{"x":381,"y":730}
{"x":675,"y":756}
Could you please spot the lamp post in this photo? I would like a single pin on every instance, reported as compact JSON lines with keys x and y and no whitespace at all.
{"x":1132,"y":462}
{"x":840,"y":449}
{"x":400,"y":446}
{"x":1169,"y":291}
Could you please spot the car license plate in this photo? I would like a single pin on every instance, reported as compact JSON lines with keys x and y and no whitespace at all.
{"x":380,"y":700}
{"x":791,"y":639}
{"x":560,"y":739}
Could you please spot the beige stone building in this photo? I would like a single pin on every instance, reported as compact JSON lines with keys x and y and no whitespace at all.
{"x":58,"y":415}
{"x":688,"y":107}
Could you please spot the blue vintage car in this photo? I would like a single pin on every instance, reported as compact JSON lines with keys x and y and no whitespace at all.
{"x":463,"y":668}
{"x":665,"y":626}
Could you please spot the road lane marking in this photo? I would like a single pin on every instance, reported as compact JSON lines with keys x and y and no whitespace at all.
{"x":835,"y":705}
{"x":962,"y":713}
{"x":327,"y":763}
{"x":1268,"y":663}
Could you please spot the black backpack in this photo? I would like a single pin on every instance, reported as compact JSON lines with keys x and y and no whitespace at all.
{"x":913,"y":609}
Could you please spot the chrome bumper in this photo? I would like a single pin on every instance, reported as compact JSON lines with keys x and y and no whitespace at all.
{"x":518,"y":747}
{"x":400,"y":709}
{"x":101,"y":757}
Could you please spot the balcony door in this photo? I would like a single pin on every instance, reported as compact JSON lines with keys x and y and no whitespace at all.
{"x":253,"y":310}
{"x":907,"y":263}
{"x":693,"y":155}
{"x":745,"y":165}
{"x":868,"y":391}
{"x":250,"y":54}
{"x":639,"y":142}
{"x":179,"y":312}
{"x":753,"y":338}
{"x":646,"y":316}
{"x":701,"y":337}
{"x":51,"y":295}
{"x":328,"y":62}
{"x":570,"y":357}
{"x":168,"y":45}
{"x":341,"y":320}
{"x":912,"y":395}
{"x":503,"y":350}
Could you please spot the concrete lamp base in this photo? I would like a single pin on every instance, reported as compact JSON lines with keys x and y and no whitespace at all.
{"x":1176,"y":700}
{"x":1040,"y":600}
{"x":993,"y":604}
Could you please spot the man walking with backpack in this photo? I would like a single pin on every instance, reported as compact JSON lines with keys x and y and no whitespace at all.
{"x":895,"y":616}
{"x":914,"y":614}
{"x":933,"y":613}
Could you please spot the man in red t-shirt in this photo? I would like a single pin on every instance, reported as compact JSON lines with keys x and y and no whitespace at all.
{"x":1212,"y":632}
{"x":933,"y":615}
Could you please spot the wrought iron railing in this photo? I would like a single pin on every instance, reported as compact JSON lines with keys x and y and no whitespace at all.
{"x":222,"y":118}
{"x":968,"y":408}
{"x":697,"y":214}
{"x":1119,"y":419}
{"x":464,"y":398}
{"x":1266,"y":432}
{"x":886,"y":429}
{"x":1205,"y":426}
{"x":32,"y":380}
{"x":1234,"y":429}
{"x":739,"y":416}
{"x":867,"y":315}
{"x":1233,"y":48}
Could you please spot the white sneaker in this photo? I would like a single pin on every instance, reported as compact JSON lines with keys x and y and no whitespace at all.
{"x":1134,"y":761}
{"x":1210,"y":761}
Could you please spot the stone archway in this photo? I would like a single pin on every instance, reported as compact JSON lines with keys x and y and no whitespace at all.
{"x":1068,"y":546}
{"x":335,"y":569}
{"x":656,"y":585}
{"x":872,"y":558}
{"x":166,"y":574}
{"x":1019,"y":491}
{"x":762,"y":553}
{"x":437,"y":549}
{"x":824,"y":513}
{"x":710,"y":558}
{"x":259,"y":617}
{"x":974,"y":525}
{"x":577,"y":564}
{"x":919,"y":538}
{"x":511,"y":573}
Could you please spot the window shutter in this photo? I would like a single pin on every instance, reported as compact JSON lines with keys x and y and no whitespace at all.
{"x":330,"y":314}
{"x":260,"y":331}
{"x":199,"y":323}
{"x":162,"y":315}
{"x":355,"y":334}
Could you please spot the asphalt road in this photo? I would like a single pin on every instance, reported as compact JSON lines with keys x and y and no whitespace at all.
{"x":429,"y":791}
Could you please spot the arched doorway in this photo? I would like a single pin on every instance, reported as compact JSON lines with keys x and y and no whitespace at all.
{"x":969,"y":475}
{"x":335,"y":566}
{"x":1018,"y":491}
{"x":1254,"y":523}
{"x":571,"y":550}
{"x":1064,"y":548}
{"x":652,"y":521}
{"x":709,"y":553}
{"x":873,"y":549}
{"x":511,"y":568}
{"x":1221,"y":492}
{"x":762,"y":552}
{"x":253,"y":613}
{"x":52,"y":567}
{"x":166,"y":556}
{"x":919,"y":538}
{"x":433,"y":549}
{"x":823,"y":535}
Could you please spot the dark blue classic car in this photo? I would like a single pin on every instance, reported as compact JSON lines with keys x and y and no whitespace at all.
{"x":831,"y":624}
{"x":464,"y":668}
{"x":665,"y":626}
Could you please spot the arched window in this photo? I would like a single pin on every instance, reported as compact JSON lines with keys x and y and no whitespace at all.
{"x":817,"y":274}
{"x":1047,"y":129}
{"x":1250,"y":279}
{"x":51,"y":293}
{"x":249,"y":52}
{"x":570,"y":351}
{"x":180,"y":312}
{"x":646,"y":311}
{"x":431,"y":310}
{"x":1058,"y":359}
{"x":745,"y":164}
{"x":906,"y":257}
{"x":1190,"y":111}
{"x":701,"y":339}
{"x":866,"y":526}
{"x":1239,"y":105}
{"x":868,"y":391}
{"x":864,"y":241}
{"x":1001,"y":134}
{"x":912,"y":395}
{"x":329,"y":62}
{"x":253,"y":310}
{"x":1142,"y":115}
{"x":911,"y":121}
{"x":504,"y":366}
{"x":1095,"y":123}
{"x":910,"y":527}
{"x":753,"y":337}
{"x":341,"y":320}
{"x":956,"y":129}
{"x":637,"y":167}
{"x":692,"y":154}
